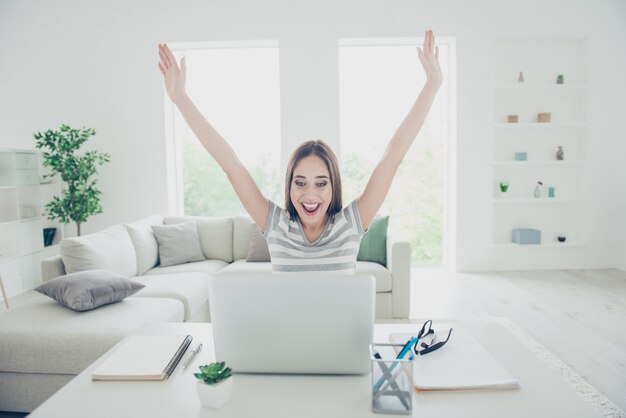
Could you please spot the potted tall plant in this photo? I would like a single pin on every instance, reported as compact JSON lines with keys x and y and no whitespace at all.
{"x":80,"y":198}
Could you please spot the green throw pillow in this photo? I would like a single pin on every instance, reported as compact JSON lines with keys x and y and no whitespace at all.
{"x":374,"y":243}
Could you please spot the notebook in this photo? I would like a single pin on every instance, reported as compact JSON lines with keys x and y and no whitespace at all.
{"x":144,"y":357}
{"x":462,"y":364}
{"x":316,"y":323}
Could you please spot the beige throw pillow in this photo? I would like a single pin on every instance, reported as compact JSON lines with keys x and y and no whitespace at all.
{"x":178,"y":243}
{"x":258,"y":249}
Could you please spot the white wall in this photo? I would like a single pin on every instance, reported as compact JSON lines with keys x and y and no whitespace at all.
{"x":94,"y":64}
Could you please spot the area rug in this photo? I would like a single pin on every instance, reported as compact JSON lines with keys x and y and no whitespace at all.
{"x":600,"y":402}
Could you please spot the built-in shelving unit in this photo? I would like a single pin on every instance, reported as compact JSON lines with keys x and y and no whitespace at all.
{"x":22,"y":220}
{"x":540,"y":61}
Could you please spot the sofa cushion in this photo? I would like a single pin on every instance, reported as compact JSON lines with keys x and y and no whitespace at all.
{"x":374,"y":243}
{"x":241,"y":236}
{"x":258,"y":249}
{"x":215,"y":233}
{"x":191,"y":289}
{"x":243,"y":266}
{"x":41,"y":336}
{"x":145,"y":243}
{"x":178,"y":244}
{"x":110,"y":249}
{"x":383,"y":276}
{"x":206,"y":266}
{"x":89,"y":289}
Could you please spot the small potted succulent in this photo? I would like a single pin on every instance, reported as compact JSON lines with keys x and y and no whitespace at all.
{"x":504,"y":186}
{"x":215,"y":384}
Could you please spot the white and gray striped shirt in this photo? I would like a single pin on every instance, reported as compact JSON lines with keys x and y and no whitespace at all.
{"x":334,"y":251}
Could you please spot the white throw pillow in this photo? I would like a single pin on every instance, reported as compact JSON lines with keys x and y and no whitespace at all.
{"x":178,"y":244}
{"x":110,"y":249}
{"x":145,"y":243}
{"x":215,"y":233}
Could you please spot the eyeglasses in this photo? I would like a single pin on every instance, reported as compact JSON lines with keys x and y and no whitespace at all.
{"x":427,"y":340}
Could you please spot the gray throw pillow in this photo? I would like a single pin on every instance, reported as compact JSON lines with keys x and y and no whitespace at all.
{"x":178,"y":243}
{"x":257,"y":250}
{"x":86,"y":290}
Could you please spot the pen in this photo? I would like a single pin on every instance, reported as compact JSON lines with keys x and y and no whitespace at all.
{"x":195,"y":351}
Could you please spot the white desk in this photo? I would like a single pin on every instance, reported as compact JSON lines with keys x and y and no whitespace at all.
{"x":542,"y":394}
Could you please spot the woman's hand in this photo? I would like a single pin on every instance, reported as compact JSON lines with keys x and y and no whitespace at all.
{"x":173,"y":75}
{"x":429,"y":56}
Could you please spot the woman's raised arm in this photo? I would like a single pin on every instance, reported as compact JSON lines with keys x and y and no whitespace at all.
{"x":380,"y":181}
{"x":246,"y":188}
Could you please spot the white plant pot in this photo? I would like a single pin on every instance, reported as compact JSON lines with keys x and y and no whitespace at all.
{"x":215,"y":396}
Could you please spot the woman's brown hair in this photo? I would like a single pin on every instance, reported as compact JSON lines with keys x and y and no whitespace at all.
{"x":322,"y":150}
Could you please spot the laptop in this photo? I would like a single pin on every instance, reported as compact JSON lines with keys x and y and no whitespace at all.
{"x":293,"y":323}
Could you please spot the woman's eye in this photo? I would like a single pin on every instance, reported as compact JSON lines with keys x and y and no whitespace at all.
{"x":322,"y":184}
{"x":299,"y":183}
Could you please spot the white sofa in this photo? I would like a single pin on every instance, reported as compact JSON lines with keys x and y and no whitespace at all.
{"x":43,"y":345}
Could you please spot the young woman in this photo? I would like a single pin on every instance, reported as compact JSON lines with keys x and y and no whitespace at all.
{"x":314,"y":232}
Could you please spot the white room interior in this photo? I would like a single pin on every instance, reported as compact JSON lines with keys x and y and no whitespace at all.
{"x":94,"y":64}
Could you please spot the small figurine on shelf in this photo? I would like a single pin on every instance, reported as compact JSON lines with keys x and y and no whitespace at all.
{"x":520,"y":79}
{"x":504,"y":186}
{"x":538,"y":189}
{"x":560,"y":155}
{"x":560,"y":79}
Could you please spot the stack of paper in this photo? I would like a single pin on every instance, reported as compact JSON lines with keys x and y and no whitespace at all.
{"x":463,"y":363}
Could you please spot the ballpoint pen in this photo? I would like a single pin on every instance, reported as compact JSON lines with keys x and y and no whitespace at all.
{"x":195,"y":351}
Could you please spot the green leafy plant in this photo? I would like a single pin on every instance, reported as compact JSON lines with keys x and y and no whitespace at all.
{"x":504,"y":186}
{"x":214,"y":373}
{"x":79,"y":198}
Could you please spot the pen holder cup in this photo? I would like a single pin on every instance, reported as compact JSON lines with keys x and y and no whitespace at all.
{"x":392,"y":380}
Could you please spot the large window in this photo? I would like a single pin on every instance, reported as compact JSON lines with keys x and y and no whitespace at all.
{"x":378,"y":86}
{"x":236,"y":87}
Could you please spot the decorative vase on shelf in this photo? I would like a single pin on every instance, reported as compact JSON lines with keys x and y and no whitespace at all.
{"x":520,"y":79}
{"x":48,"y":236}
{"x":538,"y":189}
{"x":504,"y":186}
{"x":560,"y":155}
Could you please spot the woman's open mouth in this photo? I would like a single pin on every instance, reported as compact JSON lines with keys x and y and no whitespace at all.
{"x":311,"y":209}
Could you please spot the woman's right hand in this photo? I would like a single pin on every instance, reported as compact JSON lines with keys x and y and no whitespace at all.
{"x":173,"y":75}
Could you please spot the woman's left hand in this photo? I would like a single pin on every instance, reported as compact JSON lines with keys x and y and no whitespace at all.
{"x":429,"y":56}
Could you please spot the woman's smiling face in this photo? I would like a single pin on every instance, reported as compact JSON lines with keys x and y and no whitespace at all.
{"x":311,"y":191}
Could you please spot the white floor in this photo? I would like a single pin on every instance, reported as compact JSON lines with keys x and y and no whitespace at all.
{"x":578,"y":315}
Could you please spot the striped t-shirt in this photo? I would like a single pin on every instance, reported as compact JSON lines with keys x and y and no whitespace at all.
{"x":334,"y":251}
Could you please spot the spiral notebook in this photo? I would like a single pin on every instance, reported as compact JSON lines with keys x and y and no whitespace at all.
{"x":144,"y":357}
